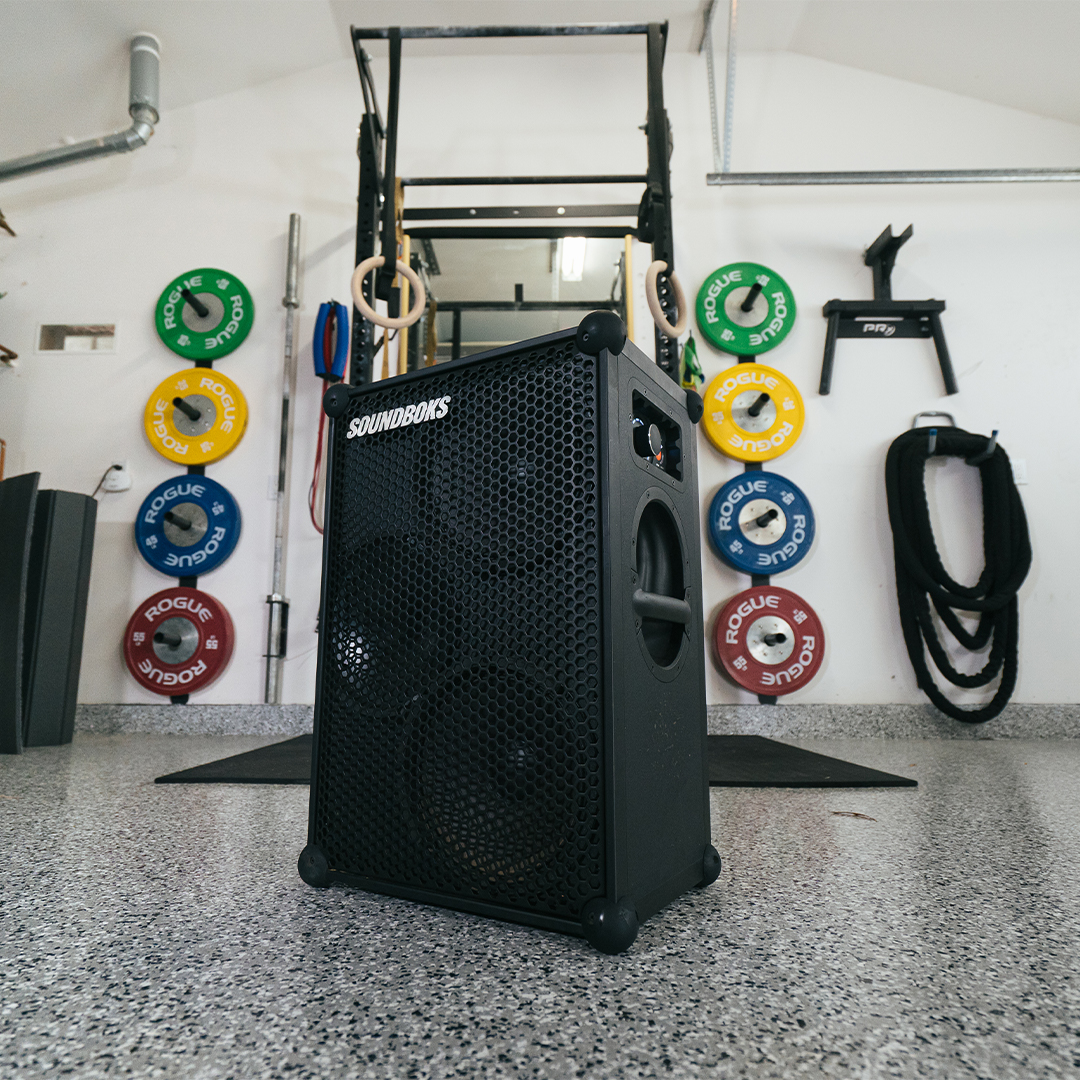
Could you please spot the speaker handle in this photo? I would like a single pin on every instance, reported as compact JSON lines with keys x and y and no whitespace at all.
{"x":649,"y":605}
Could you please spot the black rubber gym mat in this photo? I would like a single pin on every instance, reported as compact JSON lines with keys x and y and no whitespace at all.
{"x":753,"y":761}
{"x":286,"y":762}
{"x":734,"y":761}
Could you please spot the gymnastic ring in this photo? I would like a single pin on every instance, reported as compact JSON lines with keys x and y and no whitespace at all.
{"x":369,"y":313}
{"x":659,"y":317}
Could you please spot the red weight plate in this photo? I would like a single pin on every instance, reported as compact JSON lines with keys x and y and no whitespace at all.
{"x":770,"y":640}
{"x":179,"y":640}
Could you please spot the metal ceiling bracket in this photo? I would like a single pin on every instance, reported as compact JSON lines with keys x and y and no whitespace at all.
{"x":723,"y":177}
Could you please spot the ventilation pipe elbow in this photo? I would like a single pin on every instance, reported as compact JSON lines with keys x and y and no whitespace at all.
{"x":143,"y":89}
{"x":142,"y":105}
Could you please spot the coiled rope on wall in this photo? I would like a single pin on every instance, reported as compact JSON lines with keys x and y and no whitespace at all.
{"x":921,"y":579}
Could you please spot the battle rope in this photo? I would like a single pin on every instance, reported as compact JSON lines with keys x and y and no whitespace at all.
{"x":921,"y":578}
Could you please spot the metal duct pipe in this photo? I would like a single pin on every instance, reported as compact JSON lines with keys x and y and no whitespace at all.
{"x":143,"y":107}
{"x":914,"y":176}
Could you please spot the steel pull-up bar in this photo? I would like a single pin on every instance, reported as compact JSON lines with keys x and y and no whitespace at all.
{"x":479,"y":181}
{"x":577,"y":30}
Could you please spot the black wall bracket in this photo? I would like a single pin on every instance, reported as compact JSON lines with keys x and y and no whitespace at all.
{"x":884,"y":317}
{"x":756,"y":579}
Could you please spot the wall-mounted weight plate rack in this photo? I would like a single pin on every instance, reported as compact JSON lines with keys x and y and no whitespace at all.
{"x":770,"y":640}
{"x":187,"y":525}
{"x":195,"y":416}
{"x":761,"y":523}
{"x":753,"y":412}
{"x":179,"y":640}
{"x":745,"y":309}
{"x":204,"y":314}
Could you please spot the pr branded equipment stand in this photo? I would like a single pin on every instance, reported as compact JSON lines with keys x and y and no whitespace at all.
{"x":883,"y":317}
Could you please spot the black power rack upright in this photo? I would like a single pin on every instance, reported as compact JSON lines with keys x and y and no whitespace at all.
{"x":377,"y":151}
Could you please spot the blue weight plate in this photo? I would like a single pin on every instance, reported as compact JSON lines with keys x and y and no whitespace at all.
{"x":187,"y":525}
{"x":761,"y":523}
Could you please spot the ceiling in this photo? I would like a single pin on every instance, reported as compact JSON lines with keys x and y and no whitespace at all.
{"x":65,"y":63}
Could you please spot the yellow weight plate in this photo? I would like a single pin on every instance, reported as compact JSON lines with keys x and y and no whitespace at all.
{"x":753,"y":412}
{"x":195,"y":416}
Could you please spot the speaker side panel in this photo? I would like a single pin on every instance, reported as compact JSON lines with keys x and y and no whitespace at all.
{"x":459,"y":718}
{"x":661,"y":812}
{"x":18,"y":495}
{"x":60,"y":557}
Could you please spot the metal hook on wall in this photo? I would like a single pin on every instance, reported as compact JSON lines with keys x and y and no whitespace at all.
{"x":988,"y":453}
{"x":932,"y":434}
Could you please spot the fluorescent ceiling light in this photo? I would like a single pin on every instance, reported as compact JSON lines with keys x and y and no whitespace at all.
{"x":573,"y":257}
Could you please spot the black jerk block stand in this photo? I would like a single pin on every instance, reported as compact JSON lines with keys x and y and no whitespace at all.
{"x":884,"y":317}
{"x":377,"y":151}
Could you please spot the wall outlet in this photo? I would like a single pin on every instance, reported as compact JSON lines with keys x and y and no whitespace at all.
{"x":117,"y":478}
{"x":1019,"y":470}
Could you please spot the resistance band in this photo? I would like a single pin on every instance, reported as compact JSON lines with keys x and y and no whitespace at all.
{"x":330,"y":349}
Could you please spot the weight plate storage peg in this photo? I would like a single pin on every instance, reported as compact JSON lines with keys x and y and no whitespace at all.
{"x":753,"y":412}
{"x":745,"y":309}
{"x":761,"y":523}
{"x":195,"y":416}
{"x":204,"y":314}
{"x":187,"y":525}
{"x":178,"y":641}
{"x":769,"y":640}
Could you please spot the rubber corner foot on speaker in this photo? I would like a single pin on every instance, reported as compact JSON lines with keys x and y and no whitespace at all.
{"x":695,"y":406}
{"x":313,"y":867}
{"x":601,"y":330}
{"x":610,"y":926}
{"x":710,"y":866}
{"x":336,"y":400}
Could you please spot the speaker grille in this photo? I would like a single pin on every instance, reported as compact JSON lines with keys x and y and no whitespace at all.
{"x":460,"y":722}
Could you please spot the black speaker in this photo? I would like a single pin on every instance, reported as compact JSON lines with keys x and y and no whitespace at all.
{"x":46,"y":545}
{"x":61,"y":551}
{"x":18,"y":496}
{"x":510,"y":701}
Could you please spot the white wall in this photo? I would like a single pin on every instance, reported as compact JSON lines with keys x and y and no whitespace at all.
{"x":219,"y":179}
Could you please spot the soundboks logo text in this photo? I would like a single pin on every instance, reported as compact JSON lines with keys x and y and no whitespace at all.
{"x":435,"y":409}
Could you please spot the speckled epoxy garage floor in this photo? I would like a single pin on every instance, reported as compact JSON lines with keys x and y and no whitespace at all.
{"x":162,"y":931}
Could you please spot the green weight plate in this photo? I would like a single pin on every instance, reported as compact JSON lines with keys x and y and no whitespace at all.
{"x":720,"y":312}
{"x":204,"y":314}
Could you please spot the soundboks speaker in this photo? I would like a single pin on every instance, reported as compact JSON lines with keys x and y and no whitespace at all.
{"x":510,"y":702}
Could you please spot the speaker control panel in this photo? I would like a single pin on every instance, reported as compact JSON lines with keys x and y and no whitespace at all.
{"x":657,"y":438}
